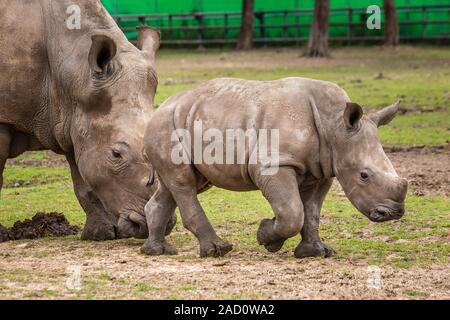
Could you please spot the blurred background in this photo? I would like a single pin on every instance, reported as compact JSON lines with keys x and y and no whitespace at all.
{"x":212,"y":22}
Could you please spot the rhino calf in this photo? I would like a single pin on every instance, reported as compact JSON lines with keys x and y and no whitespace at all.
{"x":322,"y":135}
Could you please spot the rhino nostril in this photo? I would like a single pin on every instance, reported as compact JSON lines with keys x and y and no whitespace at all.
{"x":381,"y":211}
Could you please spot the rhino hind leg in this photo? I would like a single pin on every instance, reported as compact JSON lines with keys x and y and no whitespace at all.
{"x":281,"y":190}
{"x":311,"y":246}
{"x":184,"y":186}
{"x":159,"y":213}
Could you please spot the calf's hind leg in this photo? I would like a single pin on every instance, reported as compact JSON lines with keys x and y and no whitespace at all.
{"x":281,"y":190}
{"x":183,"y":185}
{"x":158,"y":212}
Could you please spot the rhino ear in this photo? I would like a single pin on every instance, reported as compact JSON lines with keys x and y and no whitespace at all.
{"x":102,"y":51}
{"x":352,"y":115}
{"x":149,"y":40}
{"x":385,"y":115}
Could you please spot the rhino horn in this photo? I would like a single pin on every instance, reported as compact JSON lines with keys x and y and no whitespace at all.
{"x":149,"y":40}
{"x":385,"y":115}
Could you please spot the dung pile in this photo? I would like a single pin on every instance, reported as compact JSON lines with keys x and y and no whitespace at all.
{"x":52,"y":224}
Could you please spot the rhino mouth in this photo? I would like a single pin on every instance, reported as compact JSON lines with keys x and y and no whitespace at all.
{"x":384,"y":213}
{"x":133,"y":225}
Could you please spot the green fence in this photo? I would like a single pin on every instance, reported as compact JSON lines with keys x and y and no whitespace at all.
{"x":214,"y":21}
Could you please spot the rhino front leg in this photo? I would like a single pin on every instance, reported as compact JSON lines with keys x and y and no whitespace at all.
{"x":100,"y":225}
{"x":281,"y":190}
{"x":5,"y":145}
{"x":311,"y":246}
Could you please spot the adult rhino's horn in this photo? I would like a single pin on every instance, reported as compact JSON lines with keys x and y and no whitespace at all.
{"x":149,"y":40}
{"x":385,"y":115}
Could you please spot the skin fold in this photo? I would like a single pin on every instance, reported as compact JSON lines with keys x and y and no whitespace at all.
{"x":322,"y":136}
{"x":85,"y":93}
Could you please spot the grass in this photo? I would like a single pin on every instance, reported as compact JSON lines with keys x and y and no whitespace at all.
{"x":419,"y":77}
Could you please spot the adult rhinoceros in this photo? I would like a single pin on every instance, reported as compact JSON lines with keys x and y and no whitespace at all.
{"x":322,"y":134}
{"x":79,"y":88}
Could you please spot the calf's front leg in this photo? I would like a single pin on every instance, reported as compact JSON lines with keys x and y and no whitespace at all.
{"x":311,"y":246}
{"x":281,"y":190}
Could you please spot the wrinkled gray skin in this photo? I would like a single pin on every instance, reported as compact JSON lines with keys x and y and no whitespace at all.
{"x":322,"y":135}
{"x":84,"y":94}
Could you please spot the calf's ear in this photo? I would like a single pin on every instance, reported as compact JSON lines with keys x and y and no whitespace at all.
{"x":352,"y":115}
{"x":103,"y":50}
{"x":149,"y":40}
{"x":385,"y":115}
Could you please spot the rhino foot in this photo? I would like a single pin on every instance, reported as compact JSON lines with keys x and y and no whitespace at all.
{"x":275,"y":246}
{"x":265,"y":236}
{"x":313,"y":249}
{"x":99,"y":231}
{"x":215,"y":248}
{"x":156,"y":248}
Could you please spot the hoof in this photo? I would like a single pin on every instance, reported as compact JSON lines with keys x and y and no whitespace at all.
{"x":275,"y":246}
{"x":313,"y":249}
{"x":158,"y":248}
{"x":216,"y":248}
{"x":99,"y":231}
{"x":171,"y":224}
{"x":265,"y":228}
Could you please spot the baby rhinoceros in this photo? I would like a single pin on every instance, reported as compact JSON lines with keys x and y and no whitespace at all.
{"x":317,"y":134}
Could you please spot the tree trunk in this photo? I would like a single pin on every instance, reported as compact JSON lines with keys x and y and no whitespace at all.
{"x":318,"y":39}
{"x":391,"y":35}
{"x":245,"y":41}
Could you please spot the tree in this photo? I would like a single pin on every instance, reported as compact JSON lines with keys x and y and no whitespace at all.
{"x":391,"y":35}
{"x":318,"y":39}
{"x":245,"y":41}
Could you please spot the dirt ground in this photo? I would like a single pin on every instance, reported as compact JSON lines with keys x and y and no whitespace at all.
{"x":116,"y":269}
{"x":427,"y":169}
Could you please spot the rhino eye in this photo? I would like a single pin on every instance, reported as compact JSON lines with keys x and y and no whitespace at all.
{"x":364,"y":176}
{"x":116,"y":154}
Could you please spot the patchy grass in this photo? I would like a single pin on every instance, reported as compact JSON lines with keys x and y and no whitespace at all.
{"x":419,"y":76}
{"x":431,"y":128}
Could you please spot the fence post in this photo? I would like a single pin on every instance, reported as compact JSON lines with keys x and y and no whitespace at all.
{"x":262,"y":27}
{"x":170,"y":26}
{"x":350,"y":26}
{"x":199,"y":18}
{"x":226,"y":26}
{"x":285,"y":27}
{"x":424,"y":21}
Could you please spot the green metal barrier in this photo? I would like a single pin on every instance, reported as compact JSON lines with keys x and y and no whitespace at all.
{"x":213,"y":21}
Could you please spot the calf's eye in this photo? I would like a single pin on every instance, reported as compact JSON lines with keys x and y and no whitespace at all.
{"x":116,"y":154}
{"x":364,"y":175}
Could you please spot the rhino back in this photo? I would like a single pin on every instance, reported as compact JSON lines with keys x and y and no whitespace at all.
{"x":237,"y":103}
